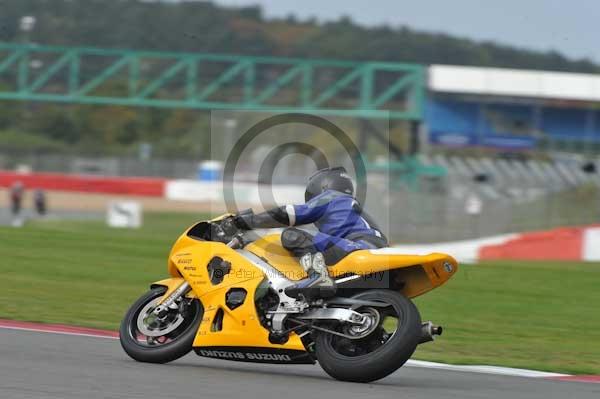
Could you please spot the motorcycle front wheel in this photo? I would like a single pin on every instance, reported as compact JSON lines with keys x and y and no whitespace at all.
{"x":372,"y":351}
{"x":148,"y":338}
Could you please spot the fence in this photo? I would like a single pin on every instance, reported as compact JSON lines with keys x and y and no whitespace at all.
{"x":438,"y":217}
{"x":438,"y":212}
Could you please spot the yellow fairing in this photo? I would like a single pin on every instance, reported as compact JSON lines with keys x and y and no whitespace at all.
{"x":414,"y":274}
{"x":269,"y":247}
{"x":240,"y":326}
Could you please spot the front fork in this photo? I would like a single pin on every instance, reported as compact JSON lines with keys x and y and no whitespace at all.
{"x":170,"y":302}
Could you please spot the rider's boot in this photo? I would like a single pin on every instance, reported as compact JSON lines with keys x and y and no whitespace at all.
{"x":318,"y":284}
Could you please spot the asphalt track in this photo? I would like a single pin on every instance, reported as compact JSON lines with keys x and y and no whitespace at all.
{"x":41,"y":365}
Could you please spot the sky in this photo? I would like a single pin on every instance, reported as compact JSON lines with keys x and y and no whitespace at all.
{"x":571,"y":27}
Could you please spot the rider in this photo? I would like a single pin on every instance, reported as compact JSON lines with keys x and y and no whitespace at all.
{"x":331,"y":206}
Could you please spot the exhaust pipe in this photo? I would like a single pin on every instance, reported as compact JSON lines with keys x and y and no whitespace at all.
{"x":429,"y":331}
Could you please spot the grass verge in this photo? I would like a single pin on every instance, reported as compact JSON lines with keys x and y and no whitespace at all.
{"x":520,"y":314}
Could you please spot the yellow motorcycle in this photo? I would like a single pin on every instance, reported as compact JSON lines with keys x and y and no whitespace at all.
{"x":233,"y":295}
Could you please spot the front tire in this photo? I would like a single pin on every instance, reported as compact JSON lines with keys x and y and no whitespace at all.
{"x":179,"y":328}
{"x":381,"y":352}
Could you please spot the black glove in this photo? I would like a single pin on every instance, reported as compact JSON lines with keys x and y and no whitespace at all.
{"x":244,"y":220}
{"x":228,"y":226}
{"x":276,"y":217}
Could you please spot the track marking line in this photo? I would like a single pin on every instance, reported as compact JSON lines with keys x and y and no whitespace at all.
{"x":593,"y":379}
{"x":508,"y":371}
{"x":58,"y":329}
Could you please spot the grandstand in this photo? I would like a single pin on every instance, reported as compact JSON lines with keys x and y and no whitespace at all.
{"x":536,"y":131}
{"x":513,"y":109}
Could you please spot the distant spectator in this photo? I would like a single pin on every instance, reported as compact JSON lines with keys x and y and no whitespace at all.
{"x":40,"y":202}
{"x":17,"y":192}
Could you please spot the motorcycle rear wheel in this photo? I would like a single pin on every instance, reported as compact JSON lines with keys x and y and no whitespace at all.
{"x":159,"y":341}
{"x":381,"y":352}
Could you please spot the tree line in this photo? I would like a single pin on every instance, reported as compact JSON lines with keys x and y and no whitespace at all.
{"x":206,"y":27}
{"x":201,"y":26}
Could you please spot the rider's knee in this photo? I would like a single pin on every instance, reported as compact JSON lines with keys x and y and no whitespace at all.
{"x":292,"y":238}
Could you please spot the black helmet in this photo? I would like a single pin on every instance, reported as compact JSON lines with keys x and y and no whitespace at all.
{"x":328,"y":179}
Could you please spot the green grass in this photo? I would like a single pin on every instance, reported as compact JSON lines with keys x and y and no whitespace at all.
{"x":521,"y":314}
{"x":83,"y":273}
{"x":544,"y":316}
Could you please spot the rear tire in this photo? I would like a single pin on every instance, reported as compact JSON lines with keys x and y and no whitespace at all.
{"x":383,"y":360}
{"x":181,"y":339}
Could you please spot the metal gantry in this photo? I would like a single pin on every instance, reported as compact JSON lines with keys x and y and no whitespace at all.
{"x":210,"y":81}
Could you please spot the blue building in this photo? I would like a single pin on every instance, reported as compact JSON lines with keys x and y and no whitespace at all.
{"x":513,"y":109}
